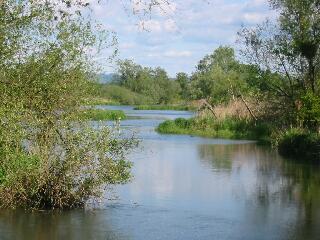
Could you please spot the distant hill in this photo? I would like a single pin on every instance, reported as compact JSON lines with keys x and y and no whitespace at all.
{"x":106,"y":77}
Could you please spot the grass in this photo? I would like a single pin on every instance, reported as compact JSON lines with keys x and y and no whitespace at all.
{"x":297,"y":143}
{"x":209,"y":127}
{"x":101,"y":115}
{"x":165,"y":107}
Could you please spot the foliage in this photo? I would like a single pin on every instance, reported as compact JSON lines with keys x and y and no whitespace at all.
{"x":184,"y":83}
{"x":220,"y":77}
{"x":310,"y":110}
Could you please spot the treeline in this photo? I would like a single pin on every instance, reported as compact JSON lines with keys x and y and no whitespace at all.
{"x":218,"y":76}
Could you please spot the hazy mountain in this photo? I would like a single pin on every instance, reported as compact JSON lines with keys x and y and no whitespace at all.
{"x":106,"y":77}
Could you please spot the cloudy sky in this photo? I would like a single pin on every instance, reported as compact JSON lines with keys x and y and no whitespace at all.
{"x":178,"y":37}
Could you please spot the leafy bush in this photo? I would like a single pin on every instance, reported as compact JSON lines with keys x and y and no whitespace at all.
{"x":65,"y":170}
{"x":310,"y":110}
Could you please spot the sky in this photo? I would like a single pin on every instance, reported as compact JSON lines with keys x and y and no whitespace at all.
{"x":178,"y":36}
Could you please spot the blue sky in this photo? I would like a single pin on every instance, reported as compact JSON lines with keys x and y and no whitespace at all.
{"x":179,"y":37}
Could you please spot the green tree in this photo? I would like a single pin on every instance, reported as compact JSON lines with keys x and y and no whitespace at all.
{"x":220,"y":77}
{"x":184,"y":83}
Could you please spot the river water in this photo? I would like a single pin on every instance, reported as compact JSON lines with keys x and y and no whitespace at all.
{"x":188,"y":187}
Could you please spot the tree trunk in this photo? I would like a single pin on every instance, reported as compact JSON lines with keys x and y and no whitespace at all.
{"x":248,"y":108}
{"x":208,"y":105}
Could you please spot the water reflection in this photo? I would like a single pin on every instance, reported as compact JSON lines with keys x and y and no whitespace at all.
{"x":274,"y":188}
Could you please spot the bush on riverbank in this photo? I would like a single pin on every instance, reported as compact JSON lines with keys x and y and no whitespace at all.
{"x":297,"y":143}
{"x":64,"y":170}
{"x":101,"y":115}
{"x":210,"y":127}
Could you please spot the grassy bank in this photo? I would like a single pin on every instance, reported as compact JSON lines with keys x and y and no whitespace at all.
{"x":165,"y":107}
{"x":300,"y":144}
{"x":209,"y":127}
{"x":101,"y":115}
{"x":100,"y":101}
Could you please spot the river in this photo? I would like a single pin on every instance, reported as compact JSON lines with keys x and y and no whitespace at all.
{"x":188,"y":187}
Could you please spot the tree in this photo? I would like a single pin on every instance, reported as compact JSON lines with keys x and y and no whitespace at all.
{"x":287,"y":53}
{"x":219,"y":77}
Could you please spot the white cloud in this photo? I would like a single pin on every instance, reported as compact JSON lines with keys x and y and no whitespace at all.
{"x":170,"y":26}
{"x":177,"y":37}
{"x":255,"y":17}
{"x":175,"y":54}
{"x":126,"y":45}
{"x":150,"y":25}
{"x":170,"y":54}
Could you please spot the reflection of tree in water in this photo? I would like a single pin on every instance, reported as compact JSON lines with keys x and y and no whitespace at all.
{"x":78,"y":224}
{"x":222,"y":156}
{"x":305,"y":180}
{"x":293,"y":187}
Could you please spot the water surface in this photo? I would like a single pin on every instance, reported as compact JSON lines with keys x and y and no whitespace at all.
{"x":190,"y":188}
